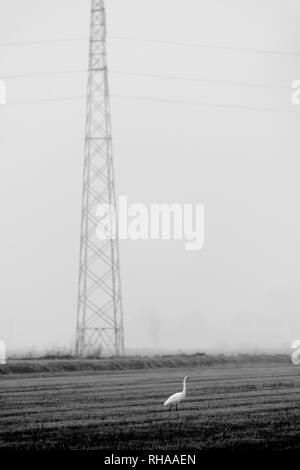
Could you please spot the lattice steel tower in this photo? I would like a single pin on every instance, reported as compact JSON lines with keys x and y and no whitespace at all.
{"x":100,"y":315}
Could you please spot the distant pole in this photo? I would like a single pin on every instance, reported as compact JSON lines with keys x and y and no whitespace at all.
{"x":100,"y":313}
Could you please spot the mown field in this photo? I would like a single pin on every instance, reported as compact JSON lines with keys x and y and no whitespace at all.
{"x":239,"y":407}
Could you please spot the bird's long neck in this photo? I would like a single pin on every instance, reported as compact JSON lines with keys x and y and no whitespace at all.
{"x":184,"y":386}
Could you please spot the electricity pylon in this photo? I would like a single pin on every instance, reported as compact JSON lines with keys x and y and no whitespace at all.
{"x":100,"y":314}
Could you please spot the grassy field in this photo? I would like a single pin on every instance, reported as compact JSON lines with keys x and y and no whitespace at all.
{"x":231,"y":406}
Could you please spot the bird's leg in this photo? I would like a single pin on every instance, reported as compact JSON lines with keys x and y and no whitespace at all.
{"x":170,"y":408}
{"x":176,"y":406}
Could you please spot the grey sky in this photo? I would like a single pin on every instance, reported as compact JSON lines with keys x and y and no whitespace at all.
{"x":242,"y":290}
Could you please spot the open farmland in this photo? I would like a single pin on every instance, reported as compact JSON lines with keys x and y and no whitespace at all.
{"x":231,"y":406}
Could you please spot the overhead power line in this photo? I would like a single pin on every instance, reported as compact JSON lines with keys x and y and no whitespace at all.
{"x":164,"y":101}
{"x":155,"y":41}
{"x":201,"y":80}
{"x":205,"y":46}
{"x":42,"y":74}
{"x":41,"y":41}
{"x":152,"y":75}
{"x":209,"y":105}
{"x":44,"y":100}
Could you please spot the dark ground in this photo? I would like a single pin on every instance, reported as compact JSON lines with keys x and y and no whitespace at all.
{"x":229,"y":406}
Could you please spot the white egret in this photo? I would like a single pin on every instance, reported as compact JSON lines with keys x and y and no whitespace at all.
{"x":176,"y":398}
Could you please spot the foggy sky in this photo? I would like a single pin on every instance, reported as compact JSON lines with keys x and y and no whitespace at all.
{"x":242,"y":290}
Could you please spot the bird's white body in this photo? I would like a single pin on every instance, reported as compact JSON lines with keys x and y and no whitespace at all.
{"x":176,"y":398}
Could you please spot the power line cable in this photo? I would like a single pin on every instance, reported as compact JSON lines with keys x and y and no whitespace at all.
{"x":202,"y":80}
{"x":44,"y":100}
{"x":41,"y":41}
{"x":205,"y":46}
{"x":163,"y":100}
{"x":155,"y":41}
{"x":209,"y":105}
{"x":42,"y":74}
{"x":151,"y":75}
